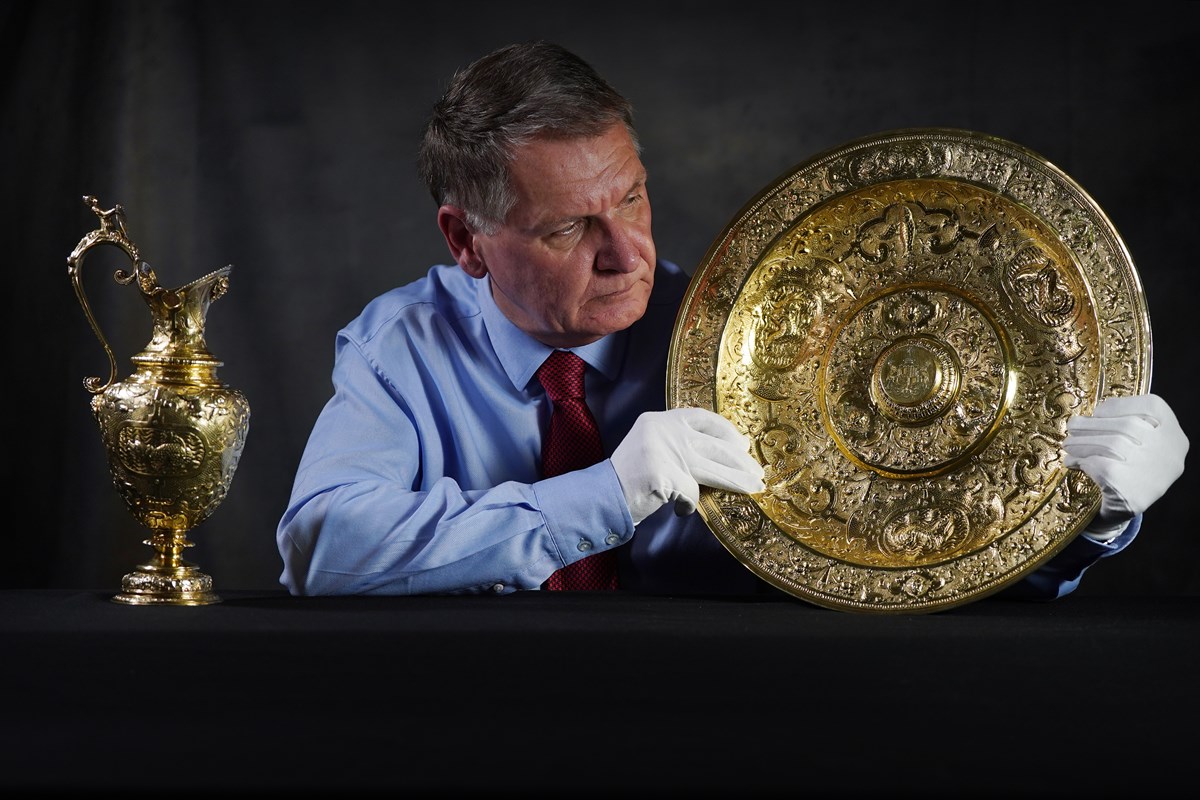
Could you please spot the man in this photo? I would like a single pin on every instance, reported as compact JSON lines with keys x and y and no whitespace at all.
{"x":425,"y":474}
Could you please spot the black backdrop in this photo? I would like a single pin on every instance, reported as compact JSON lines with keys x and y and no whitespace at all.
{"x":279,"y":137}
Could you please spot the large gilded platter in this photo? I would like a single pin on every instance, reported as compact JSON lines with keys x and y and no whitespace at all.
{"x":903,"y":326}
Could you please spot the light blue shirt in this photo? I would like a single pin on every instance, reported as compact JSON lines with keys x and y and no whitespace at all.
{"x":421,"y":474}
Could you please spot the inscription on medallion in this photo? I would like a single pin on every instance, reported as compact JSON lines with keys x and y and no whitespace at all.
{"x":907,"y":374}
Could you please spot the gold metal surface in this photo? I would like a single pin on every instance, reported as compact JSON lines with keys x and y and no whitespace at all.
{"x":173,"y":432}
{"x":902,"y":326}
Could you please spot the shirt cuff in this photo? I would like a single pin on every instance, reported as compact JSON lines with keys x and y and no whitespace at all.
{"x":585,"y":511}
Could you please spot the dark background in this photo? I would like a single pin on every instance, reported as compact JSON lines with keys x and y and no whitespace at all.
{"x":280,"y":137}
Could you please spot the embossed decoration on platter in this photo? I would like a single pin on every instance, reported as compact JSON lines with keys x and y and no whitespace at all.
{"x":903,"y":327}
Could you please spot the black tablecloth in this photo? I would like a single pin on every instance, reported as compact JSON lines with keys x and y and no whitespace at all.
{"x":617,"y":692}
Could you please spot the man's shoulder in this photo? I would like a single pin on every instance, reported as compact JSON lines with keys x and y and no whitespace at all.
{"x":444,"y":291}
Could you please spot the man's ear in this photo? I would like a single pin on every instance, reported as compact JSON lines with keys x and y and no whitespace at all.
{"x":452,"y":221}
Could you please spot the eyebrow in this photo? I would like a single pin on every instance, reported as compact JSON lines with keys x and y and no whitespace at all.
{"x":553,"y":224}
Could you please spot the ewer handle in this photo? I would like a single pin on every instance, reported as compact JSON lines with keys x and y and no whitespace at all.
{"x":111,"y":231}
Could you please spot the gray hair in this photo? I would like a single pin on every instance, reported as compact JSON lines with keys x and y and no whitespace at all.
{"x":500,"y":102}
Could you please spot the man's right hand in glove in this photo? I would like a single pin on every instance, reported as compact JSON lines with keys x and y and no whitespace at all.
{"x":668,"y":455}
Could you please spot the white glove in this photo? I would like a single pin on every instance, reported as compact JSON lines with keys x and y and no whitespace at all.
{"x":667,"y":455}
{"x":1133,"y":448}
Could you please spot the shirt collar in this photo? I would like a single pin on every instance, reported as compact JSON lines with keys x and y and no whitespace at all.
{"x":521,"y":355}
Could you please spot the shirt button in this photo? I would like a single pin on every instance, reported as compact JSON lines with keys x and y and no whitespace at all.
{"x":584,"y":545}
{"x":497,"y":587}
{"x":612,"y":538}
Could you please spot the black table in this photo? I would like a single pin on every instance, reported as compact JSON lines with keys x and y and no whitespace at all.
{"x":1085,"y":696}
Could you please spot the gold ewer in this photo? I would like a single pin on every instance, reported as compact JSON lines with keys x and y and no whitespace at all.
{"x":173,"y":431}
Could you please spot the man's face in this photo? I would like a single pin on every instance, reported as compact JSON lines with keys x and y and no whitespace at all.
{"x":574,"y":260}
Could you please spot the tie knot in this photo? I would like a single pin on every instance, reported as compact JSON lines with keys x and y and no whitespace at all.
{"x":561,"y":375}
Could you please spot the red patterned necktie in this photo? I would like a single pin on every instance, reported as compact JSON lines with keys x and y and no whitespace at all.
{"x":573,"y":442}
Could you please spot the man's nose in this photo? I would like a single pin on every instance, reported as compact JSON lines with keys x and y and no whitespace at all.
{"x":621,"y":249}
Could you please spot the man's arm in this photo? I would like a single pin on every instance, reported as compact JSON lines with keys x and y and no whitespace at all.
{"x":372,"y":512}
{"x":1062,"y":574}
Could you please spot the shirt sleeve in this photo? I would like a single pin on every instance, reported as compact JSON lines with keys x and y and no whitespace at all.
{"x":1061,"y":575}
{"x":360,"y":522}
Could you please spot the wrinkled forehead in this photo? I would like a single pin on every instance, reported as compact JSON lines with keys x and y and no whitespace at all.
{"x":578,"y":176}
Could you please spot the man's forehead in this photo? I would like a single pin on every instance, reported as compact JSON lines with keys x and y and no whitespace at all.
{"x":575,"y":176}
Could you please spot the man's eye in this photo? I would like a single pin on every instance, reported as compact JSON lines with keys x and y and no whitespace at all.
{"x":567,"y":230}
